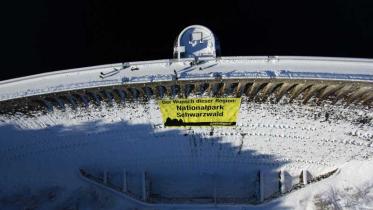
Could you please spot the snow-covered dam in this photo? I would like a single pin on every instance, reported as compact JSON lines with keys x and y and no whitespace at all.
{"x":260,"y":78}
{"x":94,"y":138}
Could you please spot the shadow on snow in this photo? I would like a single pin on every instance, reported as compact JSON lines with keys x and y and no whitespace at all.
{"x":181,"y":164}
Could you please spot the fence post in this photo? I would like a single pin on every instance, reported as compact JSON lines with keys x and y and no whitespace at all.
{"x":305,"y":176}
{"x":145,"y":186}
{"x":261,"y":182}
{"x":282,"y":182}
{"x":260,"y":186}
{"x":105,"y":177}
{"x":124,"y":187}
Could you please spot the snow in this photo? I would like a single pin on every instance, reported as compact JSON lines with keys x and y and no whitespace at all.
{"x":41,"y":153}
{"x":40,"y":156}
{"x":351,"y":188}
{"x":281,"y":67}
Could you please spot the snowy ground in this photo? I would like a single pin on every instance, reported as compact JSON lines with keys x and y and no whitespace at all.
{"x":40,"y":156}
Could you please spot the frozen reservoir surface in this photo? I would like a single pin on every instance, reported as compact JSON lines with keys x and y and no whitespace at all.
{"x":40,"y":158}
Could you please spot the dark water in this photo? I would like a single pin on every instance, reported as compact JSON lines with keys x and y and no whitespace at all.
{"x":40,"y":36}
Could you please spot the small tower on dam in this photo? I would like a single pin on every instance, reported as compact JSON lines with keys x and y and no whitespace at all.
{"x":196,"y":41}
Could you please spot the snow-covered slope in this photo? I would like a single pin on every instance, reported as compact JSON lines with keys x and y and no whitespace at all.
{"x":40,"y":156}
